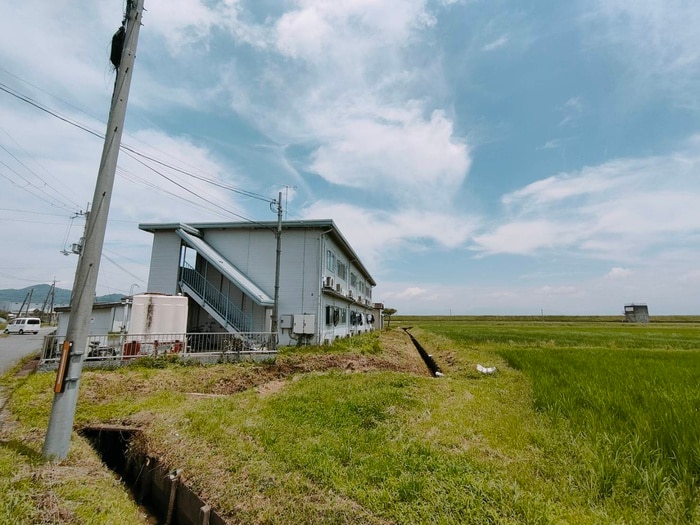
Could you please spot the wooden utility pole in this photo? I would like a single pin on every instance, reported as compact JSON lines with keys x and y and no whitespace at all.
{"x":68,"y":377}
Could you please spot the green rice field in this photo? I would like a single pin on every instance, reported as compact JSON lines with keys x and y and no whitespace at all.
{"x":585,"y":421}
{"x":628,"y":396}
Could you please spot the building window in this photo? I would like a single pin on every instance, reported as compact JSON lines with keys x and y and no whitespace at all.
{"x":342,"y":271}
{"x":344,"y":315}
{"x":353,"y":279}
{"x":330,"y":261}
{"x":333,"y":315}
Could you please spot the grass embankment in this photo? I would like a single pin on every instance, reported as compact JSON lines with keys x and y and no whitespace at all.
{"x":578,"y":430}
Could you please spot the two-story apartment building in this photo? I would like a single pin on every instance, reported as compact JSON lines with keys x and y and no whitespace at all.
{"x":227,"y":270}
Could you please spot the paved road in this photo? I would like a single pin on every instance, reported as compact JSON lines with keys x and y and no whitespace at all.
{"x":14,"y":347}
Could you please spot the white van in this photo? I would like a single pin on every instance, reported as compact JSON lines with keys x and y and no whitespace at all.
{"x":23,"y":325}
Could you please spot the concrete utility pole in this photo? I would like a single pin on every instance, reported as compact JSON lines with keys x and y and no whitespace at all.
{"x":66,"y":391}
{"x":275,"y":305}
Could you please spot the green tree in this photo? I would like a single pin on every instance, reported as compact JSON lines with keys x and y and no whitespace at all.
{"x":388,"y":312}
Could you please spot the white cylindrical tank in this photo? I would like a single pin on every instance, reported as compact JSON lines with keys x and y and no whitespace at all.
{"x":158,"y":314}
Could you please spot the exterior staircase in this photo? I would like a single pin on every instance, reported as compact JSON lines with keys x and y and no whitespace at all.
{"x":213,"y":301}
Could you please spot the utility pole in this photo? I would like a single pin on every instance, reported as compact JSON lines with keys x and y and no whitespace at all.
{"x":49,"y":296}
{"x":275,"y":305}
{"x":66,"y":391}
{"x":27,"y":301}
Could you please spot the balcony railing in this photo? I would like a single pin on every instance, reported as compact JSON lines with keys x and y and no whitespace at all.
{"x":213,"y":297}
{"x":130,"y":346}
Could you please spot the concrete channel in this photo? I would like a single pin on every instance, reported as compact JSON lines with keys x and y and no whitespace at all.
{"x":427,"y":358}
{"x":159,"y":490}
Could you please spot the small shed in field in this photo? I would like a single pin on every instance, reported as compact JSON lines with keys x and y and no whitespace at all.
{"x":636,"y":313}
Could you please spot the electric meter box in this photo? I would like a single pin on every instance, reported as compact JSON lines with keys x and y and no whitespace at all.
{"x":305,"y":324}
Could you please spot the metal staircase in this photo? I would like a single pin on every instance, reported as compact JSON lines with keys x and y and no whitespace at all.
{"x":213,"y":301}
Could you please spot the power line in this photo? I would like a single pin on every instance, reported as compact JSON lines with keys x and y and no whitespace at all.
{"x":190,"y":191}
{"x":124,"y":147}
{"x":27,"y":222}
{"x":32,"y":171}
{"x":135,"y":178}
{"x":240,"y":191}
{"x":105,"y":256}
{"x":39,"y":106}
{"x":49,"y":94}
{"x":28,"y":185}
{"x":33,"y":212}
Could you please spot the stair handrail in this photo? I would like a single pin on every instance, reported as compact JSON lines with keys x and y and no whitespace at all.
{"x":215,"y":299}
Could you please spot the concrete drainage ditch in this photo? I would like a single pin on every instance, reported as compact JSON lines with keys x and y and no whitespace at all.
{"x":159,"y":490}
{"x":427,"y":358}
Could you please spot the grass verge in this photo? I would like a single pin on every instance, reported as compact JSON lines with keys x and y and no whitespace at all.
{"x":358,"y":432}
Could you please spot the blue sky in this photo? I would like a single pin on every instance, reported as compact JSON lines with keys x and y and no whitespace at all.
{"x":482,"y":157}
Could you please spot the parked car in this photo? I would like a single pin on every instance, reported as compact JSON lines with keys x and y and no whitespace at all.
{"x":23,"y":325}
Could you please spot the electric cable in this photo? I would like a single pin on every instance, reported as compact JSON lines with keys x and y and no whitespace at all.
{"x":38,"y":105}
{"x":32,"y":171}
{"x":133,"y":152}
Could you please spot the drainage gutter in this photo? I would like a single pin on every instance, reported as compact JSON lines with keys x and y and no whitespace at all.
{"x":161,"y":491}
{"x":427,"y":358}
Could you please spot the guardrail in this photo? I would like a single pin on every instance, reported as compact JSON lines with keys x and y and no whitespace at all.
{"x":130,"y":346}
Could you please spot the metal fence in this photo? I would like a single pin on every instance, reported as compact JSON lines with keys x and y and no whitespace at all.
{"x":130,"y":346}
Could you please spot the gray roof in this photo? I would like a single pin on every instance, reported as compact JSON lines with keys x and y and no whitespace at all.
{"x":327,"y":225}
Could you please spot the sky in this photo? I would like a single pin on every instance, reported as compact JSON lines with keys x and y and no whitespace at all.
{"x":481,"y":156}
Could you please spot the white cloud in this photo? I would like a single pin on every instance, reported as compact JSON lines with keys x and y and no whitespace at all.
{"x":523,"y":237}
{"x":377,"y":234}
{"x":412,"y":291}
{"x":496,"y":44}
{"x":345,"y":83}
{"x":655,"y":41}
{"x":620,"y":209}
{"x":618,"y":273}
{"x":398,"y":153}
{"x":550,"y":144}
{"x":559,"y":291}
{"x":181,"y":22}
{"x":560,"y":187}
{"x":572,"y":109}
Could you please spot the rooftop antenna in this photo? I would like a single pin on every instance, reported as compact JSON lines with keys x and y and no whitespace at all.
{"x":286,"y":199}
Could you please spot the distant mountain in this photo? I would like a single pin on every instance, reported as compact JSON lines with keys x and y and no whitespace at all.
{"x":41,"y":291}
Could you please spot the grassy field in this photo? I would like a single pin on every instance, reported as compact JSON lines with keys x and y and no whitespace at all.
{"x":585,"y":421}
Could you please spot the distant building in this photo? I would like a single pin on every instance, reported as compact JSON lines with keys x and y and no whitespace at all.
{"x":636,"y":313}
{"x":227,"y":271}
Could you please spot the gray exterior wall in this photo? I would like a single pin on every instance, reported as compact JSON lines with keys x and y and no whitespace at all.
{"x":254,"y":253}
{"x":302,"y":273}
{"x":165,"y":263}
{"x":339,"y":298}
{"x":104,"y":319}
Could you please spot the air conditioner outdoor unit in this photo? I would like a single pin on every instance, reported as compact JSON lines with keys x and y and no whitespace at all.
{"x":350,"y":294}
{"x":359,"y":298}
{"x":328,"y":283}
{"x":339,"y":288}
